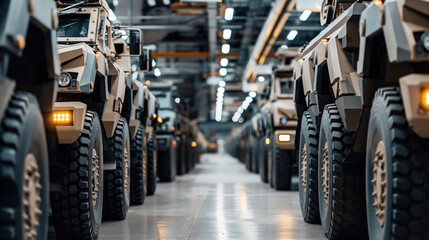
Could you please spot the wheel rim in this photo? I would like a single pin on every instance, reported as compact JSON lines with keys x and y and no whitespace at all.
{"x":95,"y":176}
{"x":304,"y":168}
{"x":31,"y":197}
{"x":325,"y":173}
{"x":379,"y":182}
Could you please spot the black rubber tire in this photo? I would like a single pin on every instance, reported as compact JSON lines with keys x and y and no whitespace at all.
{"x":282,"y":169}
{"x":308,"y":197}
{"x":152,"y":158}
{"x":180,"y":153}
{"x":167,"y":165}
{"x":407,"y":171}
{"x":343,"y":215}
{"x":138,"y":168}
{"x":270,"y":160}
{"x":255,"y":155}
{"x":22,"y":133}
{"x":263,"y":161}
{"x":116,"y":195}
{"x":74,"y":214}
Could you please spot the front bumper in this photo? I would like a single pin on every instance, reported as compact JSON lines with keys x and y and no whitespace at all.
{"x":70,"y":133}
{"x":285,"y":139}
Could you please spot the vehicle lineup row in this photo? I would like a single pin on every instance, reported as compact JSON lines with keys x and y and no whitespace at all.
{"x":359,"y":137}
{"x":79,"y":129}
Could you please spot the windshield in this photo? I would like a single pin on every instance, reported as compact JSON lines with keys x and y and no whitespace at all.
{"x":73,"y":25}
{"x":286,"y":87}
{"x":164,"y":100}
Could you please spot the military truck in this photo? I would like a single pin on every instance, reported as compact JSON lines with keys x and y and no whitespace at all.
{"x":362,"y":98}
{"x":281,"y":123}
{"x":29,"y":70}
{"x":165,"y":135}
{"x":152,"y":145}
{"x":92,"y":115}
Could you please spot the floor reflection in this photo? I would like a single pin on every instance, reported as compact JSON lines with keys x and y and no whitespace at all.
{"x":220,"y":199}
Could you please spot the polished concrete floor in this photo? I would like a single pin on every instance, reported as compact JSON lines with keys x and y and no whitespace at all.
{"x":219,"y":199}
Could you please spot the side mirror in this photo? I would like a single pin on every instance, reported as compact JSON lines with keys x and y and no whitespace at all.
{"x":135,"y":43}
{"x":146,"y":60}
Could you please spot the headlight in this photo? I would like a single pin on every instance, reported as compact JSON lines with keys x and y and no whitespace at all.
{"x":65,"y":79}
{"x":424,"y":98}
{"x":425,"y":40}
{"x":284,"y":138}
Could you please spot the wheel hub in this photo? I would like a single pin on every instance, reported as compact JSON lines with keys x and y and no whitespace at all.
{"x":31,"y":197}
{"x":304,"y":168}
{"x":325,"y":173}
{"x":95,"y":181}
{"x":379,"y":182}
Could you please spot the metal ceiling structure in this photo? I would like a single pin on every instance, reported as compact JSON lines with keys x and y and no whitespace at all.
{"x":187,"y":37}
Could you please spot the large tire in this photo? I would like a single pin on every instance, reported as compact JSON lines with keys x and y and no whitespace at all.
{"x":341,"y":202}
{"x":282,"y":169}
{"x":138,"y":168}
{"x":255,"y":155}
{"x":180,"y":153}
{"x":24,"y":171}
{"x":77,"y":209}
{"x":117,"y":182}
{"x":166,"y":164}
{"x":263,"y":162}
{"x":307,"y":170}
{"x":152,"y":158}
{"x":269,"y":157}
{"x":398,"y":158}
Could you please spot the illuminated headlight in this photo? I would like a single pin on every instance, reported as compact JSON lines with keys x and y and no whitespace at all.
{"x":284,"y":138}
{"x":62,"y":118}
{"x":424,"y":98}
{"x":425,"y":40}
{"x":65,"y":79}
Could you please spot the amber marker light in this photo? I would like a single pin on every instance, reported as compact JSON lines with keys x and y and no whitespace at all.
{"x":267,"y":141}
{"x":63,"y":118}
{"x":284,"y":138}
{"x":424,"y":98}
{"x":145,"y":86}
{"x":147,"y":82}
{"x":173,"y":129}
{"x":324,"y":40}
{"x":301,"y":60}
{"x":194,"y":144}
{"x":154,"y":115}
{"x":378,"y":2}
{"x":160,"y":120}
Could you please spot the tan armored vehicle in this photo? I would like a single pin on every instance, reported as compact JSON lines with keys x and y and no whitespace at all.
{"x":281,"y":124}
{"x":29,"y":70}
{"x":362,"y":90}
{"x":92,"y":115}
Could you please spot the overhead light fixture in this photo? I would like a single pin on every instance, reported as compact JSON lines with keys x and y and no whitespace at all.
{"x":224,"y":62}
{"x":225,"y":48}
{"x":112,"y":16}
{"x":223,"y":72}
{"x":227,"y":34}
{"x":261,"y":79}
{"x":252,"y":94}
{"x":222,"y":84}
{"x":292,"y":35}
{"x":304,"y":16}
{"x":157,"y":72}
{"x":229,"y":14}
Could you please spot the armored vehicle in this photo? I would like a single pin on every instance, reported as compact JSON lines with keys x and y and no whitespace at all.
{"x":29,"y":70}
{"x":92,"y":115}
{"x":165,"y":135}
{"x":361,"y":95}
{"x":152,"y":145}
{"x":281,"y":124}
